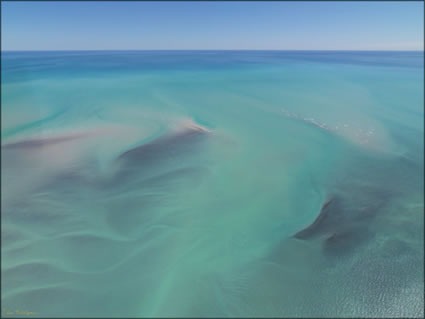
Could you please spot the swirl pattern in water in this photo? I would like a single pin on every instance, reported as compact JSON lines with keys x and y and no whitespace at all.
{"x":221,"y":184}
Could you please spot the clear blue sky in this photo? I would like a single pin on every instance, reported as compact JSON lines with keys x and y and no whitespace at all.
{"x":212,"y":25}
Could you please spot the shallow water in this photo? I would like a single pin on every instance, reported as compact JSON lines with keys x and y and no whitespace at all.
{"x":155,"y":184}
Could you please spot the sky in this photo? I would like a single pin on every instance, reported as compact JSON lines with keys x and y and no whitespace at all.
{"x":212,"y":25}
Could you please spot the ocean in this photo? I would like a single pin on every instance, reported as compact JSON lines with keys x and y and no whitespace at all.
{"x":212,"y":183}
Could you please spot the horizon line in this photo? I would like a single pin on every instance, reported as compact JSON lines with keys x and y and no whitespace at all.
{"x":298,"y":50}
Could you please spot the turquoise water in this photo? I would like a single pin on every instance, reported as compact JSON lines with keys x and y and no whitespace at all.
{"x":178,"y":184}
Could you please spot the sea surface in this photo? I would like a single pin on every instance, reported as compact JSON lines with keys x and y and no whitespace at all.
{"x":212,"y":183}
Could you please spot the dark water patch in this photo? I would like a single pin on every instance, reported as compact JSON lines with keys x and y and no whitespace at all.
{"x":345,"y":241}
{"x":343,"y":221}
{"x":331,"y":207}
{"x":75,"y":182}
{"x":144,"y":158}
{"x":163,"y":145}
{"x":37,"y":143}
{"x":349,"y":219}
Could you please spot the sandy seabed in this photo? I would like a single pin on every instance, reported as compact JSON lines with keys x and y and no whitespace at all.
{"x":250,"y":184}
